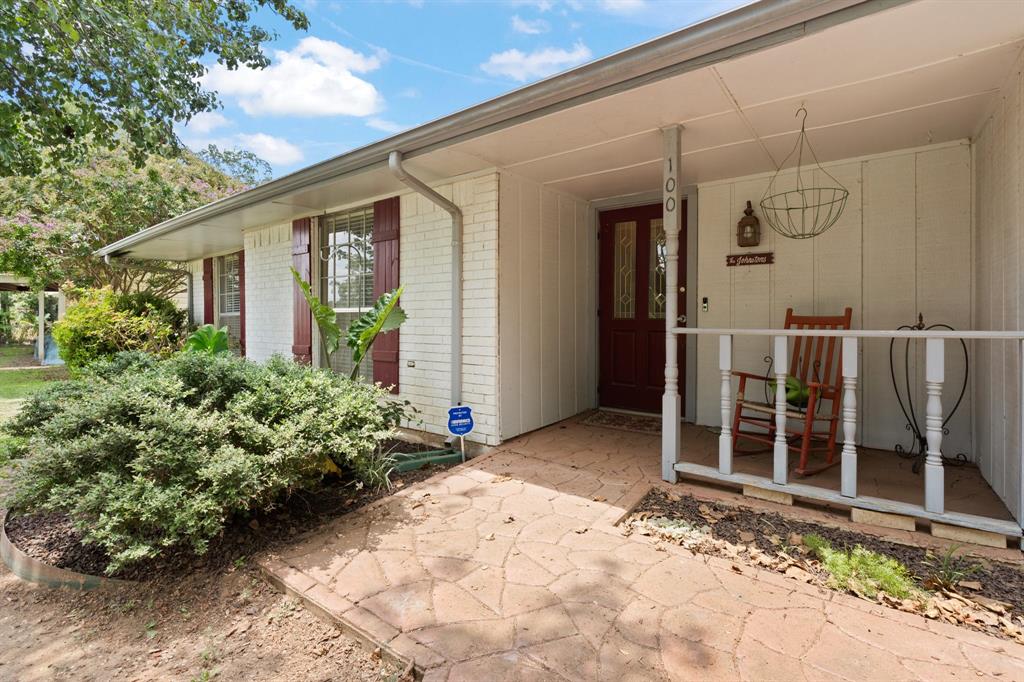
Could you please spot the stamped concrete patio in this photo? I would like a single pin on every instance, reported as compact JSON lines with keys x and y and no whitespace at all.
{"x":510,"y":567}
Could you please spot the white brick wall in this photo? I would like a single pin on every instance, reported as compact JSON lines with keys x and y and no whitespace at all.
{"x":426,"y":274}
{"x":268,"y":292}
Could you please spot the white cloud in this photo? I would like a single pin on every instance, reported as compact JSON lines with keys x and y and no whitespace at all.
{"x":409,"y":93}
{"x":316,"y":78}
{"x":539,"y":5}
{"x":520,"y":25}
{"x":206,"y":121}
{"x":385,"y":125}
{"x":276,"y":150}
{"x":541,"y":62}
{"x":623,"y":6}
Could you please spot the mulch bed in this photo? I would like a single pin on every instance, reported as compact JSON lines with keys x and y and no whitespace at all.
{"x":52,"y":539}
{"x":999,"y":581}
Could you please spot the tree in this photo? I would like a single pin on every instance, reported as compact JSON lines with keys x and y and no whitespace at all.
{"x":79,"y":73}
{"x":240,"y":164}
{"x":51,"y":223}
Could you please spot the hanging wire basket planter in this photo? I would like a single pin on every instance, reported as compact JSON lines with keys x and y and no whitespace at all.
{"x":809,"y":209}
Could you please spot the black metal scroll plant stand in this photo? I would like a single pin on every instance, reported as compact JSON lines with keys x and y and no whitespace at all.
{"x":919,"y":447}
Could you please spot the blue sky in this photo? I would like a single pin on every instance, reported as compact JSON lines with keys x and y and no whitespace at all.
{"x":368,"y":69}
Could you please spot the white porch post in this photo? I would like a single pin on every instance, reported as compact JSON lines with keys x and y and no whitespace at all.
{"x":934,"y":375}
{"x":1020,"y":428}
{"x":781,"y":451}
{"x":41,"y":341}
{"x":671,"y":403}
{"x":725,"y":438}
{"x":849,"y":456}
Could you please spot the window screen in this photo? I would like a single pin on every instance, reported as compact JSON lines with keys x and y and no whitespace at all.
{"x":346,"y":274}
{"x":229,"y":303}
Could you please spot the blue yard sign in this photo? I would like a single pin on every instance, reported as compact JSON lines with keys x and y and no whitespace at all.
{"x":460,"y":420}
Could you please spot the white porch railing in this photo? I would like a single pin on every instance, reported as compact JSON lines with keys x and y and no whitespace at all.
{"x":934,"y":484}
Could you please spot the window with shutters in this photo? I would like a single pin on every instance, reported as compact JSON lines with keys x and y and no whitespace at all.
{"x":346,"y":275}
{"x":229,"y":301}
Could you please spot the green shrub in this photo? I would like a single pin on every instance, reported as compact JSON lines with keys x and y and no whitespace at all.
{"x":862,"y":571}
{"x":100,"y":323}
{"x":144,"y":455}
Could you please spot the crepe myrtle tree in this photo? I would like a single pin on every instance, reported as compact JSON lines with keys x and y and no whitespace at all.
{"x":78,"y":73}
{"x":53,"y":221}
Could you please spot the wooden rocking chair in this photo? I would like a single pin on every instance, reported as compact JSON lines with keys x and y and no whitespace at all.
{"x":817,"y":364}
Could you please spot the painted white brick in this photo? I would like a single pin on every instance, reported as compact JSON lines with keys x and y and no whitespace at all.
{"x":268,"y":292}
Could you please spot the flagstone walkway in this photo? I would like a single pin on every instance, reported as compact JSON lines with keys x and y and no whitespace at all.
{"x":510,"y":567}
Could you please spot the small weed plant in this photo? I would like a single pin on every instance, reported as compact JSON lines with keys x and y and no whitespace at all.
{"x":862,"y":571}
{"x":948,"y":569}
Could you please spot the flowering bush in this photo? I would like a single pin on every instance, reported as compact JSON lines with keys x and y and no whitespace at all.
{"x":147,"y":454}
{"x":100,"y":323}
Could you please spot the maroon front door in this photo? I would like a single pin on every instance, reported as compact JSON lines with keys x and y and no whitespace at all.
{"x":632,"y":307}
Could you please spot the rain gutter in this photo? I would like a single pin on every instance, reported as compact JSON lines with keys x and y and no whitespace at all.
{"x":414,"y":183}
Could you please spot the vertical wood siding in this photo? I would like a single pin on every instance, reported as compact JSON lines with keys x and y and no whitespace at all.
{"x":902,"y":246}
{"x":999,"y":221}
{"x":547,"y":306}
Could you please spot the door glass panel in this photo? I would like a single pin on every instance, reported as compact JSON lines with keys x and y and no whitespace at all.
{"x":656,"y":272}
{"x":624,"y":291}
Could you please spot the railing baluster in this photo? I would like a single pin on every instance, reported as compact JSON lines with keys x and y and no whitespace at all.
{"x":781,"y":452}
{"x":725,"y":438}
{"x":849,"y":456}
{"x":934,"y":482}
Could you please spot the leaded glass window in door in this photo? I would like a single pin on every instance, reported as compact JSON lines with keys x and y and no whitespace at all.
{"x":656,"y":271}
{"x":624,"y":289}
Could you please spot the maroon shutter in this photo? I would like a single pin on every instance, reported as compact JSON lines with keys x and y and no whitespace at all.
{"x":207,"y":291}
{"x":241,"y":303}
{"x":302,"y":329}
{"x":386,"y":218}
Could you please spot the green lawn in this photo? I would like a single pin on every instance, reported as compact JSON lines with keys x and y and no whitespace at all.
{"x":17,"y":384}
{"x":16,"y":355}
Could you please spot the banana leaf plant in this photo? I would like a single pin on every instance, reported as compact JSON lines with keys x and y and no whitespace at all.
{"x":384,"y":316}
{"x":324,"y":316}
{"x":207,"y":339}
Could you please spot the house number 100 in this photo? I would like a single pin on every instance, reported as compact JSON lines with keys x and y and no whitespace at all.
{"x":670,"y":187}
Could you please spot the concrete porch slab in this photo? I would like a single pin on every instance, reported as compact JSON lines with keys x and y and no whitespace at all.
{"x":510,"y":567}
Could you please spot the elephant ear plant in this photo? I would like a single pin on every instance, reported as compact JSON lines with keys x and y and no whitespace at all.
{"x":385,"y":316}
{"x":207,"y":339}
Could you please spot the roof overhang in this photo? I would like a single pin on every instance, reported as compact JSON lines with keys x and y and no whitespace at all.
{"x":745,"y":29}
{"x":876,"y":75}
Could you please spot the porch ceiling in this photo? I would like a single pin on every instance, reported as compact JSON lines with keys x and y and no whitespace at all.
{"x":920,"y":72}
{"x":916,"y":74}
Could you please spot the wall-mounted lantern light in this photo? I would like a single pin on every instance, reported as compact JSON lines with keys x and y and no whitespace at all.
{"x":748,"y":229}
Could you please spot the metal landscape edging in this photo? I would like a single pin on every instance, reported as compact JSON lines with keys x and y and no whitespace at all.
{"x":33,"y":570}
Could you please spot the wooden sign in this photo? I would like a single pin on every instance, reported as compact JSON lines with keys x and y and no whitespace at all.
{"x":734,"y":259}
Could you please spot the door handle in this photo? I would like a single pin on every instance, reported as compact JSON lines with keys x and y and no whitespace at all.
{"x":681,"y":320}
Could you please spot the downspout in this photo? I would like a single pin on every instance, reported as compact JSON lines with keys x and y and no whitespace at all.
{"x":395,"y":165}
{"x":156,"y":268}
